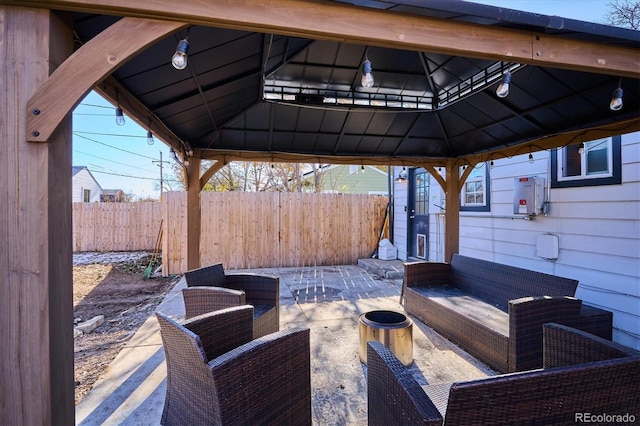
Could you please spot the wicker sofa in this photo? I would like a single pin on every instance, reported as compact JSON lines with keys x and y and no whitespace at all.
{"x":209,"y":288}
{"x":583,"y":376}
{"x":495,"y":311}
{"x":218,"y":374}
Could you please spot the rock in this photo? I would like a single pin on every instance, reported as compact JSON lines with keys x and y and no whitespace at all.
{"x":90,"y":325}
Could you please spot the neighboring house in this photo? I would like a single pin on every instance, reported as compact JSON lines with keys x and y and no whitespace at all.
{"x":588,"y":227}
{"x":349,"y":179}
{"x":84,"y":186}
{"x":112,"y":196}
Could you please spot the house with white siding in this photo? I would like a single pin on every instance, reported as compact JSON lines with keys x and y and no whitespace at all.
{"x":85,"y":188}
{"x":573,"y":212}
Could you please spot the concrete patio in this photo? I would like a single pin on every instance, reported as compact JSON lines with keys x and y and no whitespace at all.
{"x":328,"y":300}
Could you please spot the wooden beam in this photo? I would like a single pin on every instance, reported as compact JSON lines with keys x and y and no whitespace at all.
{"x":337,"y":21}
{"x":452,"y":211}
{"x":283,"y":157}
{"x":541,"y":144}
{"x":89,"y":65}
{"x":137,"y":111}
{"x":555,"y":141}
{"x":193,"y":213}
{"x":36,"y":283}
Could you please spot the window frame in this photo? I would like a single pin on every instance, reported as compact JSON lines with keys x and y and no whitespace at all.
{"x":486,"y":206}
{"x":613,"y":177}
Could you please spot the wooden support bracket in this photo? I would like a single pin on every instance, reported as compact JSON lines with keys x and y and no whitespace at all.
{"x":88,"y":66}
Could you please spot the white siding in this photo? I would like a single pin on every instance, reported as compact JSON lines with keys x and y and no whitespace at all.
{"x":400,"y":200}
{"x":598,"y":229}
{"x":81,"y":181}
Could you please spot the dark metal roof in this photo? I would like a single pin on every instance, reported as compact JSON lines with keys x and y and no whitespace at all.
{"x":247,"y":91}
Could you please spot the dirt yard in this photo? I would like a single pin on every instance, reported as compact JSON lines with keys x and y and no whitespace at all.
{"x":115,"y":287}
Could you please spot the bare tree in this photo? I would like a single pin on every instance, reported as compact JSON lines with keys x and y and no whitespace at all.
{"x":624,"y":13}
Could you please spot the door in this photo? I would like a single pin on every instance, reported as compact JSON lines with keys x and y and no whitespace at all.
{"x":418,"y":220}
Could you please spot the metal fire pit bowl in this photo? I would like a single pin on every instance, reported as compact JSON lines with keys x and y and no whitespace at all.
{"x":393,"y":329}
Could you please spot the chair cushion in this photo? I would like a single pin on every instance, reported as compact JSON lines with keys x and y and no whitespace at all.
{"x":471,"y":307}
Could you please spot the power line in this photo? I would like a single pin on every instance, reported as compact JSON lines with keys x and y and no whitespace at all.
{"x":101,"y":158}
{"x":97,"y":106}
{"x":109,"y":134}
{"x":133,"y":177}
{"x":114,"y":147}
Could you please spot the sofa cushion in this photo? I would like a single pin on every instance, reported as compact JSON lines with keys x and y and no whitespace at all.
{"x":468,"y":306}
{"x":497,"y":283}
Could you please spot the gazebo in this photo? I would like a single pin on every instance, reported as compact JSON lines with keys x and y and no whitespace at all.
{"x":277,"y":81}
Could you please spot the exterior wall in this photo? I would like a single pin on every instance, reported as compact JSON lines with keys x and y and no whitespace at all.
{"x":400,"y":206}
{"x":339,"y":179}
{"x":598,"y":228}
{"x":82,"y":180}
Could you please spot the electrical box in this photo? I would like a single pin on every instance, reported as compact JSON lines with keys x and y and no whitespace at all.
{"x":547,"y":246}
{"x":528,"y":195}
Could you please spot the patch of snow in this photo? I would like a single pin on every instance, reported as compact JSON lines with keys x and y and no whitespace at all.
{"x":103,"y":258}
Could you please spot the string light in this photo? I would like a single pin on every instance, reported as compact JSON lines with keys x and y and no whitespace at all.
{"x":616,"y":98}
{"x":119,"y":113}
{"x":367,"y":76}
{"x":503,"y":88}
{"x":179,"y":58}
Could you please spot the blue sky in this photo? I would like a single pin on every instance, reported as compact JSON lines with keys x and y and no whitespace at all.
{"x":583,"y":10}
{"x":120,"y":158}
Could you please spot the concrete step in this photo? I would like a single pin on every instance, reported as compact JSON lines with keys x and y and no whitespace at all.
{"x":390,"y":269}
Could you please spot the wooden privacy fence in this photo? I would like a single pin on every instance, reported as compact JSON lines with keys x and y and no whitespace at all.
{"x":273,"y":229}
{"x":240,"y":229}
{"x":116,"y":226}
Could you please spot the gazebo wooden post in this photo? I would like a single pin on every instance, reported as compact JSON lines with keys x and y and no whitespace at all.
{"x":193,"y":213}
{"x":452,"y":210}
{"x":36,"y":307}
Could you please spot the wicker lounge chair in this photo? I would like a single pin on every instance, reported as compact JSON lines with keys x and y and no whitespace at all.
{"x":210,"y":288}
{"x":583,"y":375}
{"x":216,"y":373}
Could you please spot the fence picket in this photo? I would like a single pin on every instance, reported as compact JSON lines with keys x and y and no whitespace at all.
{"x":240,"y":229}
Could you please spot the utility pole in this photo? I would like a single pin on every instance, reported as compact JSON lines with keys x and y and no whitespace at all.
{"x":161,"y":175}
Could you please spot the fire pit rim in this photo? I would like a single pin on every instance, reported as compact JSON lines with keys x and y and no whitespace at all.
{"x":385,"y":319}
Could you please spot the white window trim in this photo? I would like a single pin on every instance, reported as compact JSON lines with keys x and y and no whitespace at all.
{"x":482,"y":178}
{"x":583,"y":163}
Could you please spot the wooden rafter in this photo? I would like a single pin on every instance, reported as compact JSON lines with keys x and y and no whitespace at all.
{"x":555,"y":141}
{"x":88,"y":66}
{"x":137,"y":111}
{"x":337,"y":21}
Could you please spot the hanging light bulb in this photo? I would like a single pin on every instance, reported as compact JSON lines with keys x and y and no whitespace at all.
{"x":403,"y":173}
{"x":581,"y":148}
{"x":367,"y":77}
{"x":150,"y":140}
{"x":503,"y":88}
{"x":616,"y":99}
{"x":491,"y":165}
{"x":119,"y":116}
{"x":530,"y":158}
{"x":179,"y":59}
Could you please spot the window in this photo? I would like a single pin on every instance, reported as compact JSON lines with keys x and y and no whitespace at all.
{"x":475,"y":195}
{"x":86,"y":195}
{"x":595,"y":162}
